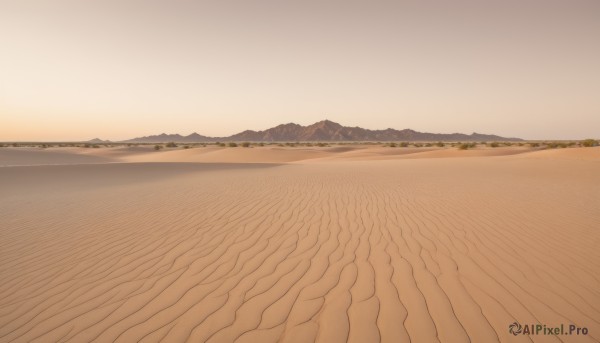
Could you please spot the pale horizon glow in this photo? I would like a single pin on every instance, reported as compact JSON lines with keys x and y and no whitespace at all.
{"x":76,"y":70}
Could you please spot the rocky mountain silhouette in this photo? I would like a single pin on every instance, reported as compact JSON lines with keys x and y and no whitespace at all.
{"x":323,"y":131}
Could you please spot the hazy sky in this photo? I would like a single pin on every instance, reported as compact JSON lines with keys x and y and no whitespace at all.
{"x":117,"y":69}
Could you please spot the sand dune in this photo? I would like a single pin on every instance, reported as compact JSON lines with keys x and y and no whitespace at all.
{"x":325,"y":249}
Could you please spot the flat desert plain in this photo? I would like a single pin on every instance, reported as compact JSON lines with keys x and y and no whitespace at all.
{"x":298,"y":244}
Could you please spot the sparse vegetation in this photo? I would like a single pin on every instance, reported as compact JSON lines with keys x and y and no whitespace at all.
{"x":404,"y":144}
{"x":157,"y":147}
{"x":221,"y":144}
{"x":171,"y":145}
{"x":465,"y":146}
{"x":418,"y":145}
{"x":392,"y":145}
{"x":439,"y":144}
{"x":246,"y":144}
{"x":321,"y":144}
{"x":494,"y":144}
{"x":232,"y":145}
{"x":186,"y":146}
{"x":534,"y":145}
{"x":588,"y":143}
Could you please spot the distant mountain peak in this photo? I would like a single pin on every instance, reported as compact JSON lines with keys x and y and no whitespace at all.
{"x":324,"y":130}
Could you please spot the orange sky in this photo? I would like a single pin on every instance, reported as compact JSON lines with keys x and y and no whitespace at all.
{"x":79,"y":69}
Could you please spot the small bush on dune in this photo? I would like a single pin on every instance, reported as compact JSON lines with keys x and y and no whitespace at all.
{"x":232,"y":145}
{"x":95,"y":146}
{"x":246,"y":144}
{"x":321,"y":145}
{"x":439,"y":144}
{"x":186,"y":146}
{"x":418,"y":145}
{"x":171,"y":145}
{"x":404,"y":144}
{"x":494,"y":144}
{"x":508,"y":143}
{"x":221,"y":144}
{"x":534,"y":145}
{"x":157,"y":147}
{"x":87,"y":145}
{"x":588,"y":143}
{"x":392,"y":145}
{"x":465,"y":146}
{"x":428,"y":145}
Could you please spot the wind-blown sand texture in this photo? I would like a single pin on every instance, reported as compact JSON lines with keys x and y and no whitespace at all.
{"x":298,"y":244}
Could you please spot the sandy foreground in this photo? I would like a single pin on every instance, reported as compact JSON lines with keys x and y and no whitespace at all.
{"x":349,"y":243}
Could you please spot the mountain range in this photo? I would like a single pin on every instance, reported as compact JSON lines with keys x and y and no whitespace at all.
{"x":325,"y":131}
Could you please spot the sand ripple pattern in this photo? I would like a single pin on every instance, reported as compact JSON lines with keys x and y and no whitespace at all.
{"x":355,"y":252}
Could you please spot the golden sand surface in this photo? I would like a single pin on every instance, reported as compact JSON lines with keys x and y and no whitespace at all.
{"x":265,"y":244}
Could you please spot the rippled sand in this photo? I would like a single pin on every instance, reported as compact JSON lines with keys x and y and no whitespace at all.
{"x":297,"y":245}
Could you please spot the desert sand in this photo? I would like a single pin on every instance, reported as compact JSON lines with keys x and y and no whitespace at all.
{"x":302,"y":244}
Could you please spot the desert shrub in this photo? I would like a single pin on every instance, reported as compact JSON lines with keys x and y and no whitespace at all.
{"x":157,"y":147}
{"x":552,"y":145}
{"x":428,"y":144}
{"x":483,"y":143}
{"x":418,"y":145}
{"x":534,"y":145}
{"x":261,"y":144}
{"x":2,"y":145}
{"x":588,"y":143}
{"x":186,"y":146}
{"x":321,"y":144}
{"x":520,"y":144}
{"x":392,"y":145}
{"x":403,"y":144}
{"x":309,"y":144}
{"x":232,"y":145}
{"x":43,"y":146}
{"x":171,"y":145}
{"x":221,"y":144}
{"x":465,"y":146}
{"x":439,"y":144}
{"x":508,"y":143}
{"x":494,"y":144}
{"x":95,"y":146}
{"x":87,"y":145}
{"x":246,"y":144}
